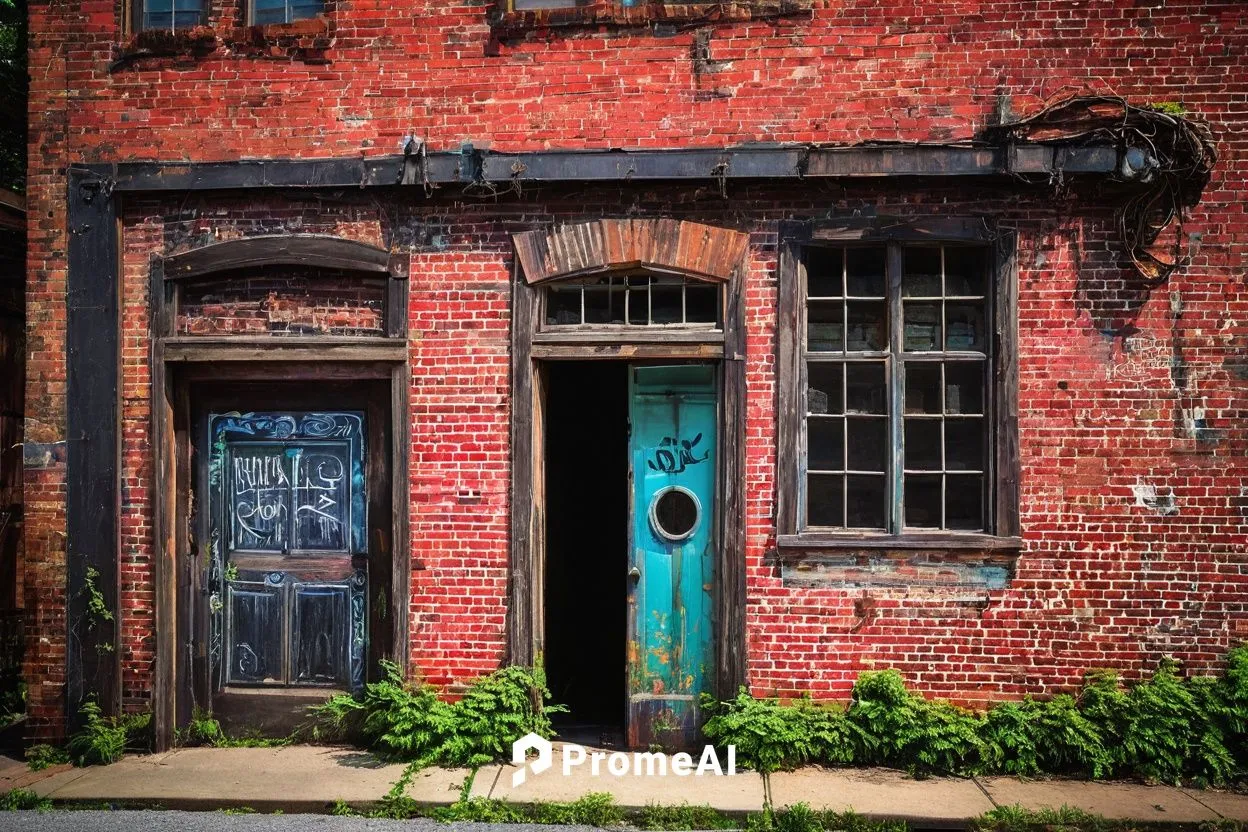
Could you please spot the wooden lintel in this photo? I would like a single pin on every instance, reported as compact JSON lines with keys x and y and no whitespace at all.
{"x":575,"y":352}
{"x":236,"y":349}
{"x":315,"y":250}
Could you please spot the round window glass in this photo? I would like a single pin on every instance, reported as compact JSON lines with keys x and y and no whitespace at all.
{"x":675,"y":512}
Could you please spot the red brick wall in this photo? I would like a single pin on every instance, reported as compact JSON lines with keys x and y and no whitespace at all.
{"x":1102,"y":580}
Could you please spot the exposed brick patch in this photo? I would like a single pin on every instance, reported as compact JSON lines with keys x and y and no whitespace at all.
{"x":276,"y":301}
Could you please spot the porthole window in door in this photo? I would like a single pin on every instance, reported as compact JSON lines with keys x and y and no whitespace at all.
{"x":675,"y":513}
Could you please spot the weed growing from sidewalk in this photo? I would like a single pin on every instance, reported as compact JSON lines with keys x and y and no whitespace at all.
{"x":1068,"y":819}
{"x":683,"y":817}
{"x":41,"y":756}
{"x":801,"y":818}
{"x":203,"y":729}
{"x":103,"y":740}
{"x":23,"y":799}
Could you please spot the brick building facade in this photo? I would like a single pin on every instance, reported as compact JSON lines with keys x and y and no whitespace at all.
{"x":568,"y":311}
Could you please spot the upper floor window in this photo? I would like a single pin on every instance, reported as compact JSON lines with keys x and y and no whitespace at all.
{"x":899,"y":391}
{"x":632,"y":300}
{"x":284,"y":11}
{"x":169,"y":14}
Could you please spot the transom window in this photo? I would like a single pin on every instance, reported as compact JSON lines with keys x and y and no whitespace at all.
{"x":632,"y":300}
{"x":896,"y":366}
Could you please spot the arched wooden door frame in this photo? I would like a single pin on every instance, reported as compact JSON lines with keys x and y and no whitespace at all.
{"x":693,"y":250}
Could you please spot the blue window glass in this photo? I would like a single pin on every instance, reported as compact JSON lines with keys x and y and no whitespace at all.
{"x":284,"y":11}
{"x":172,"y":14}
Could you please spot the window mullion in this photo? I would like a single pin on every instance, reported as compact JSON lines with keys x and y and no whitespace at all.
{"x":896,"y":324}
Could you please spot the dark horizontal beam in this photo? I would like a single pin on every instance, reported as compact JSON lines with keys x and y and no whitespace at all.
{"x":316,"y":250}
{"x":473,"y":165}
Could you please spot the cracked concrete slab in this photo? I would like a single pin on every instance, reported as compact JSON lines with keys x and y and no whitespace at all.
{"x":1117,"y":801}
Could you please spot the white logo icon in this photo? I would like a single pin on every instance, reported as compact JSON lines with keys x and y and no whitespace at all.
{"x":520,"y":757}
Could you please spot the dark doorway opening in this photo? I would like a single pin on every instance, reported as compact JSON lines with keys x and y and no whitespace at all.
{"x":587,"y":546}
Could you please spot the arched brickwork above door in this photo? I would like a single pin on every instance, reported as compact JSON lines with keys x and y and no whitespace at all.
{"x":704,"y":252}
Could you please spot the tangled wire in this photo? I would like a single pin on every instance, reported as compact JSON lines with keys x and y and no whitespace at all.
{"x":1171,"y":155}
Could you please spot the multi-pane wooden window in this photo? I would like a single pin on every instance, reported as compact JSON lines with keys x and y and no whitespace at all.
{"x":896,"y":363}
{"x":169,"y":15}
{"x":284,"y":11}
{"x":632,"y":300}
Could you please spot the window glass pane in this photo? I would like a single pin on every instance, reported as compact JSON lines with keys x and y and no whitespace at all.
{"x":965,"y":322}
{"x":922,"y":501}
{"x":823,"y":391}
{"x":666,"y":301}
{"x":964,"y":386}
{"x":269,"y":11}
{"x":866,"y":328}
{"x":922,"y":326}
{"x":563,"y":304}
{"x":865,"y":506}
{"x":864,"y":275}
{"x":825,"y":443}
{"x":322,"y":498}
{"x":824,"y":332}
{"x":922,"y":445}
{"x":867,"y":440}
{"x":823,"y":272}
{"x":920,"y":277}
{"x":303,"y":9}
{"x":825,"y":500}
{"x":604,"y":301}
{"x":639,"y":300}
{"x":922,"y":387}
{"x":965,"y":271}
{"x":964,"y":444}
{"x":701,"y":303}
{"x":865,"y":389}
{"x":158,"y":20}
{"x":964,"y":509}
{"x":258,"y":498}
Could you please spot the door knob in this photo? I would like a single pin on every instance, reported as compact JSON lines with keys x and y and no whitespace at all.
{"x":634,"y":574}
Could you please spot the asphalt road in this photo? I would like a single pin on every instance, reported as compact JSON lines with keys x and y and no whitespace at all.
{"x":170,"y":821}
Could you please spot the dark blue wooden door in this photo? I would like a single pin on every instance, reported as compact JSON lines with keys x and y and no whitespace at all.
{"x":287,"y":542}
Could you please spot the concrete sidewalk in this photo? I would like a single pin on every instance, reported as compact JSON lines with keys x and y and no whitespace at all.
{"x":311,"y":778}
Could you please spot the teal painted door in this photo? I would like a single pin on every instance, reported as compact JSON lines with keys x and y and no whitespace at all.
{"x":672,"y":444}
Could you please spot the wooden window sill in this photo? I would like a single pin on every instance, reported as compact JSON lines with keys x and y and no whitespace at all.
{"x":522,"y":21}
{"x":797,"y":546}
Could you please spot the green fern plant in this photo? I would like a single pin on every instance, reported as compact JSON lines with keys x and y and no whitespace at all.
{"x":103,"y":740}
{"x":411,"y":722}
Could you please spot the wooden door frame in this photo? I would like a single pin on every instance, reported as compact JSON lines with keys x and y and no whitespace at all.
{"x":178,"y":377}
{"x":529,"y":348}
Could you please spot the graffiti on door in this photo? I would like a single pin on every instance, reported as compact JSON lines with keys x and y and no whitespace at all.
{"x":674,"y":455}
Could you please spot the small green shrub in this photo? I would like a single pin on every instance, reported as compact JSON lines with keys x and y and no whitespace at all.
{"x":411,"y":722}
{"x":1166,"y":728}
{"x":770,"y":736}
{"x":902,"y":729}
{"x":104,"y":740}
{"x":593,"y":809}
{"x":23,"y":800}
{"x":41,"y":756}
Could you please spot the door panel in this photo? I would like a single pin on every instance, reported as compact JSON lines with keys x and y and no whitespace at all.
{"x":672,"y":417}
{"x":287,"y":572}
{"x":255,"y":615}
